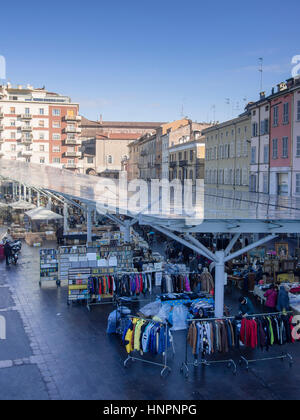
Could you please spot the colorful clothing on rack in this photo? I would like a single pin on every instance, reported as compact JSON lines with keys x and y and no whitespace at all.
{"x":146,"y":336}
{"x":133,"y":284}
{"x":101,"y":285}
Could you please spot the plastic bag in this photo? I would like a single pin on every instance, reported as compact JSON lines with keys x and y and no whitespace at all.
{"x":180,"y":314}
{"x":151,"y":309}
{"x":113,"y":319}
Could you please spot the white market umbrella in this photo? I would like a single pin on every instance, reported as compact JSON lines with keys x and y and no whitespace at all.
{"x":22,"y":205}
{"x":43,"y":214}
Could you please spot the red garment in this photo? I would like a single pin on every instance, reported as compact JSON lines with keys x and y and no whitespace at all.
{"x":249,"y":333}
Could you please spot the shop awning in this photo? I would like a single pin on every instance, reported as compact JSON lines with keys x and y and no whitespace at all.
{"x":43,"y":214}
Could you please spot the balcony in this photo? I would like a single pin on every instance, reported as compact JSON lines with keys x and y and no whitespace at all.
{"x":26,"y":140}
{"x":73,"y":142}
{"x":72,"y":118}
{"x":26,"y":116}
{"x":70,"y":166}
{"x":73,"y":154}
{"x":183,"y":162}
{"x":173,"y":164}
{"x":75,"y":130}
{"x":26,"y":153}
{"x":26,"y":128}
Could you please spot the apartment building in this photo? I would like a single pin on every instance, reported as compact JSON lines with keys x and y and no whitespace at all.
{"x":187,"y":160}
{"x":39,"y":126}
{"x":275,"y":141}
{"x":260,"y":145}
{"x":227,"y":154}
{"x":147,"y":156}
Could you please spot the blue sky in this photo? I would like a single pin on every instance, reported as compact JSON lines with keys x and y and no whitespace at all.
{"x":138,"y":60}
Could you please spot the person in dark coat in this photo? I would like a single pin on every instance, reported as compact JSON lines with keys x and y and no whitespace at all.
{"x":7,"y":252}
{"x":283,"y":301}
{"x":246,"y":306}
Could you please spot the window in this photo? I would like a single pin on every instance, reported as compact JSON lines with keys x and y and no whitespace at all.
{"x":286,"y":113}
{"x":42,"y":148}
{"x":285,"y":147}
{"x":12,"y":123}
{"x":275,"y":148}
{"x":56,"y":136}
{"x":56,"y":160}
{"x":13,"y":147}
{"x":254,"y":129}
{"x":266,"y":154}
{"x":297,"y":183}
{"x":12,"y":110}
{"x":266,"y":183}
{"x":191,"y":155}
{"x":238,"y":177}
{"x":56,"y":124}
{"x":110,"y":159}
{"x":27,"y":111}
{"x":298,"y":147}
{"x":298,"y":111}
{"x":90,"y":160}
{"x":42,"y":160}
{"x":275,"y":116}
{"x":41,"y":123}
{"x":13,"y":135}
{"x":56,"y":112}
{"x":41,"y":111}
{"x":252,"y":183}
{"x":253,"y":155}
{"x":238,"y":148}
{"x":56,"y":149}
{"x":41,"y":136}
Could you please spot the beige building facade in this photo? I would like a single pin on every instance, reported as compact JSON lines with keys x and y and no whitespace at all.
{"x":227,"y":154}
{"x":186,"y":160}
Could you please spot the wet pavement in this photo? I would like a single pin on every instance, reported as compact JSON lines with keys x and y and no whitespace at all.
{"x":55,"y":351}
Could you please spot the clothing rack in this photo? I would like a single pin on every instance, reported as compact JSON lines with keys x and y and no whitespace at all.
{"x":88,"y":301}
{"x":230,"y":362}
{"x":265,"y":359}
{"x":203,"y":362}
{"x":164,"y":365}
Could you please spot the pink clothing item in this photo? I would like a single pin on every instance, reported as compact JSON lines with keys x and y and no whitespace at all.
{"x":271,"y":296}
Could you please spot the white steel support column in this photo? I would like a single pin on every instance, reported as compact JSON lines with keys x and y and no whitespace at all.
{"x":208,"y":253}
{"x":232,"y":243}
{"x":24,"y":192}
{"x":66,"y":228}
{"x":49,"y":204}
{"x":219,"y":284}
{"x":30,"y":195}
{"x":38,"y":202}
{"x":89,"y":224}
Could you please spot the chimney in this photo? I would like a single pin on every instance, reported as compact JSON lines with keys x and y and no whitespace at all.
{"x":101,"y":119}
{"x":262,"y":95}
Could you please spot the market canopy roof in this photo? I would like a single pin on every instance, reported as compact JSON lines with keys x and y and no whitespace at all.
{"x":216,"y":210}
{"x":22,"y":205}
{"x":41,"y":213}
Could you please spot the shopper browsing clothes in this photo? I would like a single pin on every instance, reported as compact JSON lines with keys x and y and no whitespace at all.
{"x":283,"y":302}
{"x":246,"y":306}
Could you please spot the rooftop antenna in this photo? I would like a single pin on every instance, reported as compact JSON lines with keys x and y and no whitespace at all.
{"x":214,"y":113}
{"x":227,"y":102}
{"x":261,"y":62}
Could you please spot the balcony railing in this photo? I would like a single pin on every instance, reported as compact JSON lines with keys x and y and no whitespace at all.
{"x":72,"y":118}
{"x":72,"y":154}
{"x":26,"y":128}
{"x":26,"y":139}
{"x":73,"y":141}
{"x":173,"y":164}
{"x":26,"y":116}
{"x":183,"y":162}
{"x":70,"y":166}
{"x":74,"y":130}
{"x":26,"y":152}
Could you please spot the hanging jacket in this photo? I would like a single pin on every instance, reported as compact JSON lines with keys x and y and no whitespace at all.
{"x":271,"y":296}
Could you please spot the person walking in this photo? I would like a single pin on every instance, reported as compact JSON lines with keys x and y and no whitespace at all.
{"x":7,"y":252}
